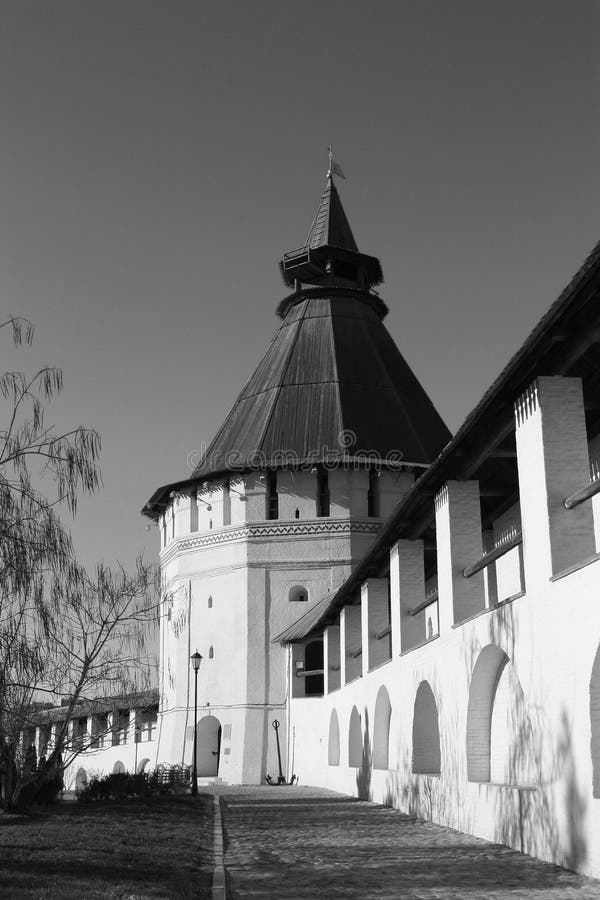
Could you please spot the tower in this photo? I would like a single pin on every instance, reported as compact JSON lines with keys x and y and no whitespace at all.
{"x":323,"y":441}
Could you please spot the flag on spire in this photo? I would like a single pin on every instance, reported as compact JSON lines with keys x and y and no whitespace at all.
{"x":334,"y":168}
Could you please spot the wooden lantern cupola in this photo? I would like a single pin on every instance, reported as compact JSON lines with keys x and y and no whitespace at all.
{"x":330,"y":254}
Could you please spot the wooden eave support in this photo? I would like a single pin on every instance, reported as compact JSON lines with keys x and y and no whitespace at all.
{"x":383,"y":633}
{"x":494,"y":554}
{"x":429,"y":599}
{"x":580,"y":496}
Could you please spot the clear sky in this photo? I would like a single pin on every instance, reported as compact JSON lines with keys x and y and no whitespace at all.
{"x":157,"y":158}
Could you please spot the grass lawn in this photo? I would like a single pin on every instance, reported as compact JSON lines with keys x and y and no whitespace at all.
{"x":131,"y":850}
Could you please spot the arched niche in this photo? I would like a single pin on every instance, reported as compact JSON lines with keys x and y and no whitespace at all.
{"x":141,"y":766}
{"x":426,"y":758}
{"x":333,"y":743}
{"x":381,"y":729}
{"x":119,"y":768}
{"x":484,"y":681}
{"x":81,"y":780}
{"x":354,"y":740}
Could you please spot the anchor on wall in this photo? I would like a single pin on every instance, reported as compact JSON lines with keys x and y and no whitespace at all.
{"x":281,"y":776}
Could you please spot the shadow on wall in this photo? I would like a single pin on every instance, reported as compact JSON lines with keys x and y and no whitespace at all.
{"x":526,"y":818}
{"x":429,"y":795}
{"x":363,"y":774}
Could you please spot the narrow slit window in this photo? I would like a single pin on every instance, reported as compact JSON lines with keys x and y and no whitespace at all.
{"x":323,"y":492}
{"x":373,"y":495}
{"x":272,"y":495}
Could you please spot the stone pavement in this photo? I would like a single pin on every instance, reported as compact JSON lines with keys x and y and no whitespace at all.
{"x":292,"y":843}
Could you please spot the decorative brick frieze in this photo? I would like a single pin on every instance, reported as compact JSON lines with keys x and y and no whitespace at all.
{"x":302,"y":528}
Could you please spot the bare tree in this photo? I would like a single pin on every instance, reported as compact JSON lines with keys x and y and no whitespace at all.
{"x":64,"y":634}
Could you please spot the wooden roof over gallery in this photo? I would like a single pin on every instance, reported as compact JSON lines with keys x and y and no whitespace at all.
{"x":332,"y":385}
{"x":565,"y":342}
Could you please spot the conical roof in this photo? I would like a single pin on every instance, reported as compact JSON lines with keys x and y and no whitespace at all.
{"x":332,"y":384}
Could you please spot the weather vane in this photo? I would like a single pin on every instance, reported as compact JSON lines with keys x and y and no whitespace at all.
{"x":334,"y":167}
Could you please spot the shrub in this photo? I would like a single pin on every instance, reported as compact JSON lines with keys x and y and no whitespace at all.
{"x":121,"y":785}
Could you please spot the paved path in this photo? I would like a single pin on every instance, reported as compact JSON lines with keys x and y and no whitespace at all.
{"x":296,"y":843}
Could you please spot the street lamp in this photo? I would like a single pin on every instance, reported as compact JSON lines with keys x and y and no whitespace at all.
{"x":196,"y":660}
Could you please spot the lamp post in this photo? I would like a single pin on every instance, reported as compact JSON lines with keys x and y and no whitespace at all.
{"x":196,"y":660}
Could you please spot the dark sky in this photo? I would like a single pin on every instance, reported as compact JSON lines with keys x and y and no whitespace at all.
{"x":156,"y":159}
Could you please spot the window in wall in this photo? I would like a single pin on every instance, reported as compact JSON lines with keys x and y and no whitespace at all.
{"x":211,"y":653}
{"x":322,"y":492}
{"x":120,"y":727}
{"x":272,"y":495}
{"x":373,"y":505}
{"x":210,"y":602}
{"x":163,"y":520}
{"x":313,"y":662}
{"x":99,"y":731}
{"x":146,"y":725}
{"x":298,"y":593}
{"x":79,"y":732}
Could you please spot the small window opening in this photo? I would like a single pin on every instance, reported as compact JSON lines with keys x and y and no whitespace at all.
{"x":297,"y":514}
{"x":373,"y":495}
{"x":298,"y":594}
{"x":211,"y":653}
{"x":322,"y":492}
{"x":193,"y":512}
{"x":210,"y":523}
{"x":272,"y":495}
{"x":210,"y":602}
{"x":226,"y":504}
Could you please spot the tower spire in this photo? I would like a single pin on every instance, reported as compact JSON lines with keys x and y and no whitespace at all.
{"x":330,"y":254}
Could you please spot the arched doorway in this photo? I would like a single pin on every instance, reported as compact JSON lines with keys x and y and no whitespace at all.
{"x":208,"y":749}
